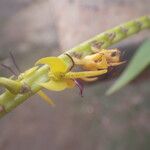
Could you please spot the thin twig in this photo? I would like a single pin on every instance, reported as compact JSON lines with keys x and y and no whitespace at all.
{"x":9,"y":68}
{"x":14,"y":61}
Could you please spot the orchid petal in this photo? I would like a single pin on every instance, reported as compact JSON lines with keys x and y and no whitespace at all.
{"x":45,"y":98}
{"x":56,"y":64}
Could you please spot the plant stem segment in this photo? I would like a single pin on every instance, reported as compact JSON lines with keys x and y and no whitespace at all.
{"x":9,"y":101}
{"x":13,"y":86}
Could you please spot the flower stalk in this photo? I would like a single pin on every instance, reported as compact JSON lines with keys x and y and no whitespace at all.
{"x":13,"y":86}
{"x":13,"y":96}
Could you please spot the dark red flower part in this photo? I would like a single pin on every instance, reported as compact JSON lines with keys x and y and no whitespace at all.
{"x":80,"y":86}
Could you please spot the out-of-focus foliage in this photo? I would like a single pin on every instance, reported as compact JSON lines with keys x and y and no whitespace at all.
{"x":138,"y":63}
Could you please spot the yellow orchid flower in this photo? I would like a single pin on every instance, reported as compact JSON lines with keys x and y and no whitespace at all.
{"x":60,"y":78}
{"x":58,"y":69}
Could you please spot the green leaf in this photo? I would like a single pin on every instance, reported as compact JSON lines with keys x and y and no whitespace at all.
{"x":139,"y":62}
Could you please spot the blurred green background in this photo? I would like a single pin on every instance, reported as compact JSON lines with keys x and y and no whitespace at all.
{"x":32,"y":29}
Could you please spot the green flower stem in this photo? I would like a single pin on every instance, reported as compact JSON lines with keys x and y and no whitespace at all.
{"x":9,"y":101}
{"x":112,"y":36}
{"x":13,"y":86}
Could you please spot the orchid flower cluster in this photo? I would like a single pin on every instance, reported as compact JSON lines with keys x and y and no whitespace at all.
{"x":60,"y":78}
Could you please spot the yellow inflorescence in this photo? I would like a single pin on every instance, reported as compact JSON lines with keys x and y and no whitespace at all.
{"x":100,"y":60}
{"x":60,"y":78}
